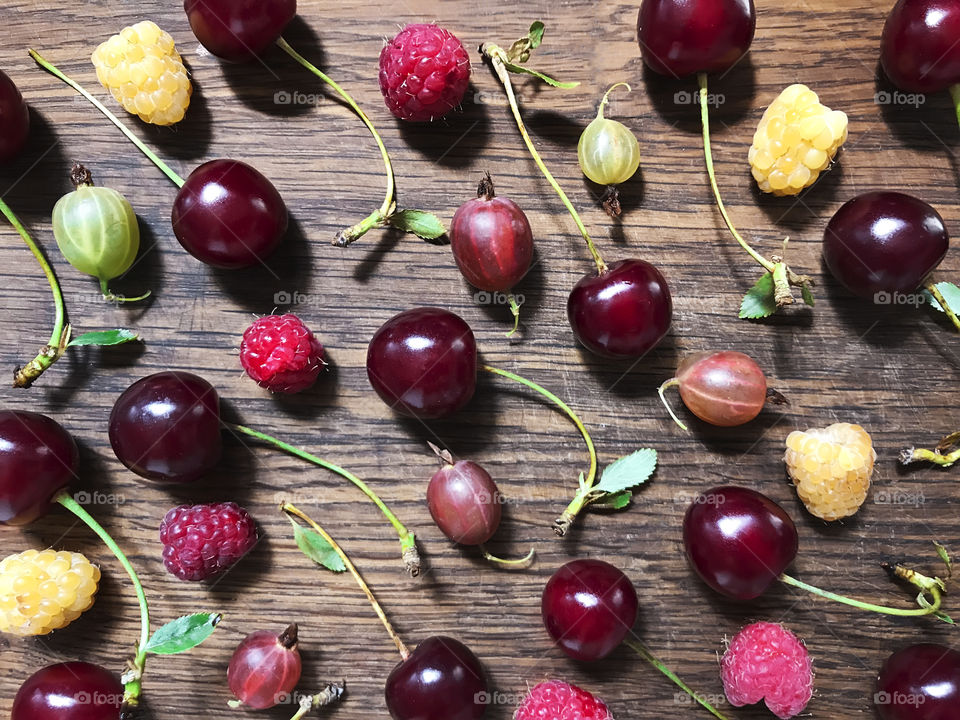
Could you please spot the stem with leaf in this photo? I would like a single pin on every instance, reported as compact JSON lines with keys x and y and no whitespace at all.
{"x":408,"y":540}
{"x":945,"y":454}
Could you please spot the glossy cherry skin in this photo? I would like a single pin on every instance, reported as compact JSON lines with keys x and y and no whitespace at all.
{"x":724,"y":388}
{"x":492,"y":243}
{"x":465,"y":503}
{"x":738,"y":540}
{"x":166,"y":427}
{"x":38,"y":459}
{"x":441,"y":680}
{"x":680,"y":37}
{"x":919,"y":682}
{"x":588,"y":607}
{"x":239,"y":30}
{"x":884,"y":242}
{"x":623,"y":313}
{"x":14,"y":119}
{"x":265,"y":668}
{"x":228,"y":215}
{"x":919,"y":50}
{"x":423,"y":363}
{"x":69,"y":691}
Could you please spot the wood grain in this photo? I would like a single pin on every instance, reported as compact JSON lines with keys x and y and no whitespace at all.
{"x":848,"y":360}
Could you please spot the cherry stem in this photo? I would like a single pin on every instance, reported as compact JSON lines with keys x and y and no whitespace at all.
{"x":672,"y":382}
{"x":293,"y":510}
{"x":133,"y":681}
{"x":329,"y":695}
{"x":381,"y":216}
{"x":955,"y":96}
{"x":53,"y":70}
{"x":520,"y":564}
{"x":938,"y":296}
{"x":562,"y":523}
{"x":515,"y":311}
{"x":51,"y":352}
{"x":498,"y":57}
{"x":408,"y":540}
{"x":932,"y":589}
{"x":645,"y":653}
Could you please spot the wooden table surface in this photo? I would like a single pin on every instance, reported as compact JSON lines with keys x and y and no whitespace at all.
{"x":848,"y":360}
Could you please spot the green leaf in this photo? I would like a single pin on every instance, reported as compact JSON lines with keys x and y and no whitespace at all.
{"x":759,"y":302}
{"x":942,"y":552}
{"x":536,"y":34}
{"x":615,"y":501}
{"x":423,"y":224}
{"x":950,"y":292}
{"x":183,"y":634}
{"x":520,"y":69}
{"x":627,"y":472}
{"x":317,"y":549}
{"x":104,"y":337}
{"x":807,"y":295}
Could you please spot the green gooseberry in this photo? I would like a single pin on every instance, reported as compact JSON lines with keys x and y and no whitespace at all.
{"x":97,"y":231}
{"x":608,"y":151}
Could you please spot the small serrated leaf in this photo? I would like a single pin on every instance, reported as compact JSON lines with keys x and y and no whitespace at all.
{"x":950,"y":292}
{"x":421,"y":223}
{"x":183,"y":634}
{"x":627,"y":472}
{"x":313,"y":545}
{"x":615,"y":501}
{"x":807,"y":295}
{"x":945,"y":556}
{"x":760,"y":301}
{"x":104,"y":338}
{"x":520,"y":69}
{"x":536,"y":34}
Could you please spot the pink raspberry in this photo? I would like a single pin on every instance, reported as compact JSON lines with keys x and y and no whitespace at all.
{"x":203,"y":541}
{"x":767,"y":662}
{"x":281,"y":354}
{"x":424,"y":73}
{"x":556,"y":700}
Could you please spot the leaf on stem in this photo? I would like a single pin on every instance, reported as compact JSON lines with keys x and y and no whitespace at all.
{"x":617,"y":501}
{"x":760,"y":301}
{"x":183,"y":634}
{"x":950,"y":292}
{"x":104,"y":338}
{"x":315,"y":547}
{"x":620,"y":476}
{"x":807,"y":294}
{"x":520,"y":50}
{"x":942,"y":552}
{"x":520,"y":69}
{"x":421,"y":223}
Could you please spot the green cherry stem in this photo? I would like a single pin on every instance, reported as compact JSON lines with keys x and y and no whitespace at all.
{"x":581,"y":500}
{"x":381,"y":216}
{"x":931,"y":609}
{"x":644,"y":652}
{"x":945,"y":454}
{"x":519,"y":564}
{"x":955,"y":96}
{"x":53,"y":70}
{"x":783,"y":276}
{"x":133,"y":679}
{"x":408,"y":540}
{"x":498,"y":59}
{"x":51,"y":352}
{"x":294,"y":511}
{"x":949,"y":311}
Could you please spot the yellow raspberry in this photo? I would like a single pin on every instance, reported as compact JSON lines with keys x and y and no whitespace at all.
{"x":831,"y":468}
{"x":44,"y":591}
{"x":797,"y":139}
{"x":143,"y":71}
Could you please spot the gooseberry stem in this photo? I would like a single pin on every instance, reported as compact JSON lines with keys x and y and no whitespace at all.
{"x":606,"y":97}
{"x":329,"y":695}
{"x":938,"y":296}
{"x":644,"y":652}
{"x":408,"y":540}
{"x":932,"y":609}
{"x":293,"y":510}
{"x":945,"y":454}
{"x":580,"y":501}
{"x":672,"y":382}
{"x":498,"y":57}
{"x":515,"y":311}
{"x":520,"y":564}
{"x":51,"y":352}
{"x":955,"y":96}
{"x":379,"y":217}
{"x":133,"y":680}
{"x":53,"y":70}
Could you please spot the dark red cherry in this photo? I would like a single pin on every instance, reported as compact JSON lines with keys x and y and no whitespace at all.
{"x":441,"y":680}
{"x":265,"y":668}
{"x":738,"y":540}
{"x":491,"y":241}
{"x":239,"y":30}
{"x":14,"y":119}
{"x":166,"y":427}
{"x":38,"y":459}
{"x":588,"y":607}
{"x":884,"y":242}
{"x":465,"y":503}
{"x":423,"y":363}
{"x":919,"y":50}
{"x":919,"y":682}
{"x":228,"y":215}
{"x":69,"y":691}
{"x":724,"y":388}
{"x":680,"y":37}
{"x":623,"y":313}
